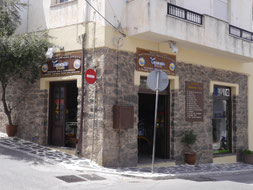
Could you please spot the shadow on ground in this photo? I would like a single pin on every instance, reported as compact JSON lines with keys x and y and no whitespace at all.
{"x":6,"y":153}
{"x":238,"y":178}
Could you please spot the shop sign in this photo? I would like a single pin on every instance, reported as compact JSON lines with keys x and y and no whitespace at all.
{"x":221,"y":91}
{"x":61,"y":66}
{"x":148,"y":61}
{"x":194,"y":108}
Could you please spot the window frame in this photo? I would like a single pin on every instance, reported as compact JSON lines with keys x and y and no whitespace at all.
{"x":59,"y":2}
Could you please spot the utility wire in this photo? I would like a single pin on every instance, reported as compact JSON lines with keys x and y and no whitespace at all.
{"x":113,"y":10}
{"x":104,"y":18}
{"x":115,"y":16}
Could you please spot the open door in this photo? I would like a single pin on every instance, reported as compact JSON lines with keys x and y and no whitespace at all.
{"x":57,"y":113}
{"x":63,"y":114}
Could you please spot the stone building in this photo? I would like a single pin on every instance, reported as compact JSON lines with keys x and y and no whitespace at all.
{"x":204,"y":47}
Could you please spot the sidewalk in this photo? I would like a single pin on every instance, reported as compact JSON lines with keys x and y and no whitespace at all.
{"x":81,"y":164}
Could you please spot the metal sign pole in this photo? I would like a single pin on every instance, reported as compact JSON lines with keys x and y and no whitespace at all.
{"x":156,"y":104}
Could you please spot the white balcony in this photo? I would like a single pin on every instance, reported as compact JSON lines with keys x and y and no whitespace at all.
{"x":150,"y":20}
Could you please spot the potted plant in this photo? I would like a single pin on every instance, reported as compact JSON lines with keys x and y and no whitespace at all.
{"x":189,"y":139}
{"x":21,"y":56}
{"x":247,"y":156}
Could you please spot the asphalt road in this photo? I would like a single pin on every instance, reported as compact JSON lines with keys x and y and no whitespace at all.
{"x":19,"y":171}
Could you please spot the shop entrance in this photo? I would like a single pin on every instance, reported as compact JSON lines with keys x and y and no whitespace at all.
{"x":222,"y":132}
{"x":146,"y":126}
{"x":63,"y":114}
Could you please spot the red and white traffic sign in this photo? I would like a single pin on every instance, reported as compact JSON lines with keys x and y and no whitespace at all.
{"x":90,"y":76}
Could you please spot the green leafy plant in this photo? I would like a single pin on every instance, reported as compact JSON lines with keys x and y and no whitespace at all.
{"x":246,"y":151}
{"x":189,"y":138}
{"x":20,"y":54}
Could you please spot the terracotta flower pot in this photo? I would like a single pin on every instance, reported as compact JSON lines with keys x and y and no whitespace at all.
{"x":190,"y":158}
{"x":11,"y":130}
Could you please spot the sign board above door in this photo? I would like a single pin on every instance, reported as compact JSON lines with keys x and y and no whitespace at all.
{"x":148,"y":61}
{"x":62,"y":65}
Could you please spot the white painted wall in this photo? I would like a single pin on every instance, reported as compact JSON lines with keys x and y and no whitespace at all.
{"x":116,"y":12}
{"x":43,"y":15}
{"x":241,"y":14}
{"x":238,"y":13}
{"x":23,"y":13}
{"x":220,"y":9}
{"x":199,"y":6}
{"x":154,"y":24}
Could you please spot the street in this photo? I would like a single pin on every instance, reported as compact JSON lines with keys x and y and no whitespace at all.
{"x":20,"y":171}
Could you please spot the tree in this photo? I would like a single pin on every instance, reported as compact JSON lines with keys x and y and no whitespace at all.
{"x":20,"y":54}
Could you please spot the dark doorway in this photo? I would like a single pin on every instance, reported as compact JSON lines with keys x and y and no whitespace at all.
{"x":146,"y":126}
{"x":222,"y":128}
{"x":63,"y":114}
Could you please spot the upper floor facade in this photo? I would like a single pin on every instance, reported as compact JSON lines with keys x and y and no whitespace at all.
{"x":221,"y":27}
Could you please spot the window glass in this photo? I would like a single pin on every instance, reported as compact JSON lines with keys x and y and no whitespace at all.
{"x":143,"y":82}
{"x":219,"y":126}
{"x":58,"y":1}
{"x":221,"y":120}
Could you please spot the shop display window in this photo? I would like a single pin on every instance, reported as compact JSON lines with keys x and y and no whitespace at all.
{"x":221,"y":121}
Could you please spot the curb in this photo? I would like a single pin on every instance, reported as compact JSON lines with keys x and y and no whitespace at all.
{"x":174,"y":176}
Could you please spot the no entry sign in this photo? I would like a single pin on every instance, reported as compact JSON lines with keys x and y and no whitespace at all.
{"x":90,"y":76}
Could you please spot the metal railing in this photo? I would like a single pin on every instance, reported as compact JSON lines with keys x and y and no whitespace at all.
{"x":240,"y":33}
{"x":185,"y":14}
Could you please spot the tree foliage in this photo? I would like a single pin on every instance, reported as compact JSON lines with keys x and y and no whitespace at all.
{"x":10,"y":16}
{"x":20,"y":54}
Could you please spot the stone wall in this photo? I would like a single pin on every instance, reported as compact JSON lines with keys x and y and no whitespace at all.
{"x":115,"y":86}
{"x":115,"y":148}
{"x":31,"y":112}
{"x":112,"y":147}
{"x":120,"y":146}
{"x":200,"y":74}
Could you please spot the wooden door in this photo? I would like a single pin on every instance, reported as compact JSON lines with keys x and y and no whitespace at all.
{"x":57,"y":113}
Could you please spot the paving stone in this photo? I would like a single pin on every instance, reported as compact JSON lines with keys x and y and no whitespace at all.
{"x":27,"y":143}
{"x":47,"y":153}
{"x":25,"y":149}
{"x":8,"y":144}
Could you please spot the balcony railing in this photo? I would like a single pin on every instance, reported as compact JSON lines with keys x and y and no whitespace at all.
{"x":238,"y":32}
{"x":185,"y":14}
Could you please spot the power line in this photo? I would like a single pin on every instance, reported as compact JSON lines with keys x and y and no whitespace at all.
{"x":104,"y":17}
{"x":113,"y":10}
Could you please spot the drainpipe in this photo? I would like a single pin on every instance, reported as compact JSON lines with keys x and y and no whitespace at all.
{"x":84,"y":37}
{"x":80,"y":138}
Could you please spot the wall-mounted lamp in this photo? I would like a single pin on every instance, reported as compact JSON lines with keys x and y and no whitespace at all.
{"x":173,"y":46}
